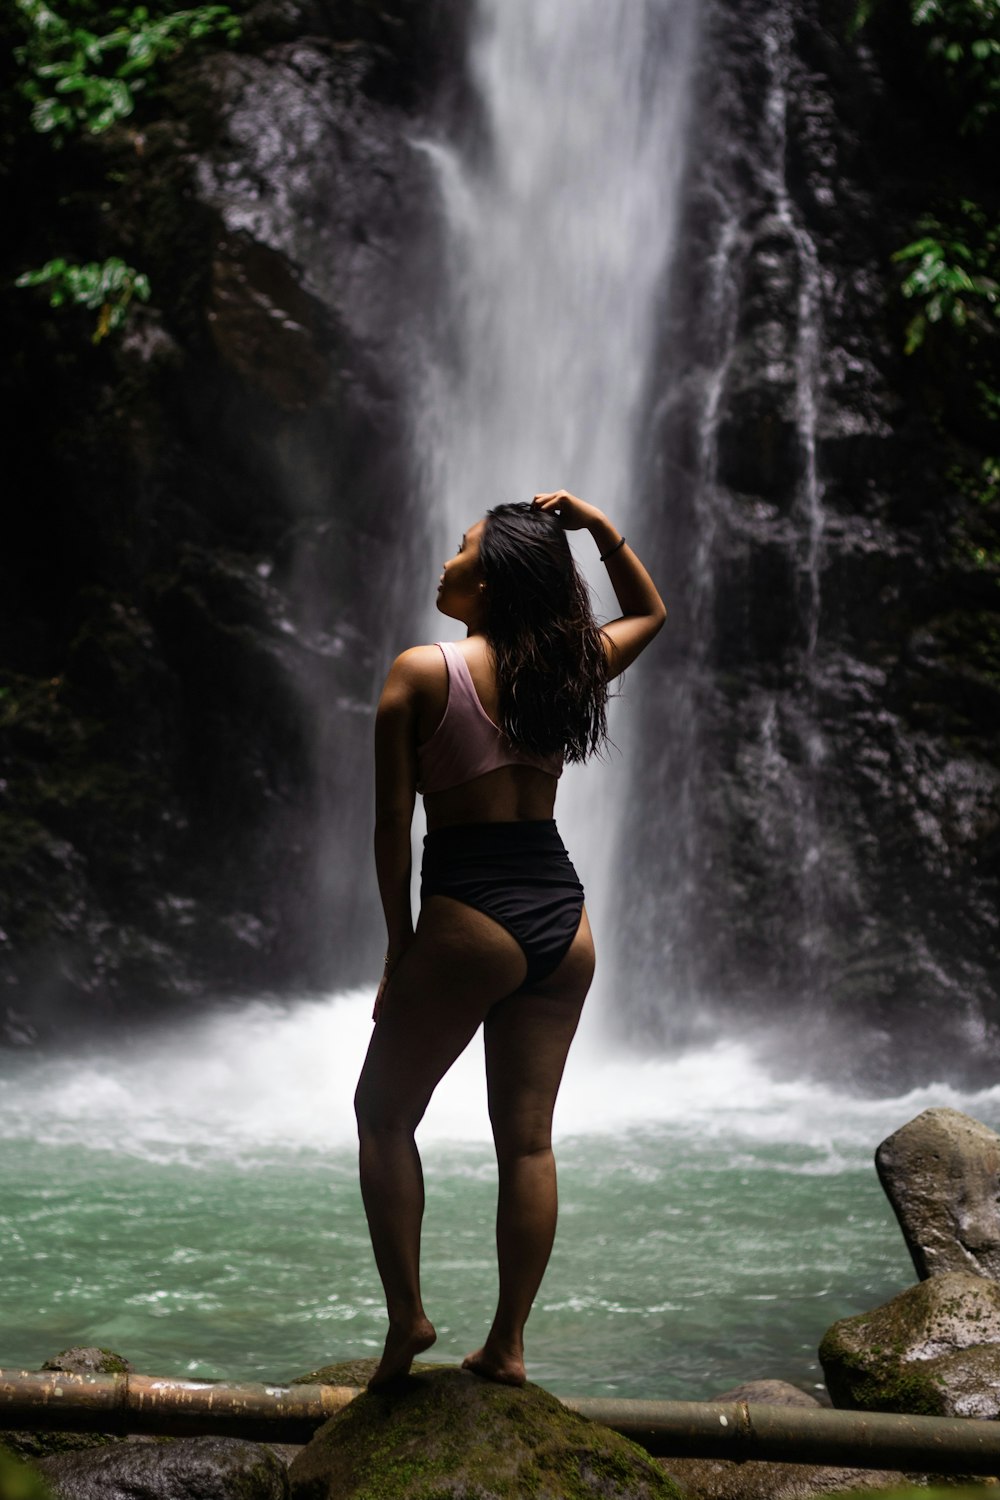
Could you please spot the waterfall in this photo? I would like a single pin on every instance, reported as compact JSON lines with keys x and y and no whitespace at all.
{"x":614,"y":255}
{"x":727,"y":792}
{"x":560,"y":218}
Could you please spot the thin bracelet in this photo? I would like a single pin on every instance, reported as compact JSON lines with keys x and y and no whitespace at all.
{"x":612,"y":550}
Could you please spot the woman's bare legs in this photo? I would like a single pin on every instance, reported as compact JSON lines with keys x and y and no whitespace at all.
{"x":527,"y":1038}
{"x":458,"y":966}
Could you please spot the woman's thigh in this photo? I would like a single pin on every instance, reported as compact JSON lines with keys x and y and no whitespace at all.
{"x":458,"y":966}
{"x":527,"y":1038}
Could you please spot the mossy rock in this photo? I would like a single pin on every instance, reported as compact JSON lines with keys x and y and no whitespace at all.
{"x":30,"y":1445}
{"x":89,"y":1360}
{"x":934,"y":1350}
{"x":352,"y":1372}
{"x":447,"y":1435}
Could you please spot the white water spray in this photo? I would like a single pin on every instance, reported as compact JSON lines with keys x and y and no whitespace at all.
{"x":273,"y":1080}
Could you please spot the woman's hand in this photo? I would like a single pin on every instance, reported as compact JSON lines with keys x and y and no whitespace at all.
{"x":390,"y":967}
{"x":380,"y":997}
{"x":573,"y":513}
{"x":643,"y":611}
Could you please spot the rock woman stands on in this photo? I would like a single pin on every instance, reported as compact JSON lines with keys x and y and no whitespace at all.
{"x":481,"y":727}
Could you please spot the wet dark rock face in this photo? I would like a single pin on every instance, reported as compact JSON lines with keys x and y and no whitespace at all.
{"x":194,"y":577}
{"x":827,"y":693}
{"x":200,"y":1468}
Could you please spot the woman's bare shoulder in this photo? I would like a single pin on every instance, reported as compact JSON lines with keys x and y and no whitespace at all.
{"x":415,"y":673}
{"x":420,"y":666}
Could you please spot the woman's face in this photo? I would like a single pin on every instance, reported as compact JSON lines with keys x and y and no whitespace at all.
{"x":460,"y":591}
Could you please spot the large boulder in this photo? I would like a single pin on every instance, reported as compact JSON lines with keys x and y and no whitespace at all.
{"x":201,"y":1468}
{"x":940,"y":1173}
{"x":934,"y":1349}
{"x":722,"y":1479}
{"x":445,"y":1432}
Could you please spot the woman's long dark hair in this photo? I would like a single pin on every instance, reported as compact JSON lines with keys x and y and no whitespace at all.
{"x":551,"y":666}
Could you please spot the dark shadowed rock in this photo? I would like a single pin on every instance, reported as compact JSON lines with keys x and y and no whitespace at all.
{"x":934,"y":1349}
{"x":202,"y":1468}
{"x":448,"y":1433}
{"x":941,"y":1173}
{"x":719,"y":1479}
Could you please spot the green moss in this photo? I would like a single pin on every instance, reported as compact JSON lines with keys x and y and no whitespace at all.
{"x":19,"y":1481}
{"x":446,"y":1434}
{"x":28,"y":1445}
{"x":113,"y":1363}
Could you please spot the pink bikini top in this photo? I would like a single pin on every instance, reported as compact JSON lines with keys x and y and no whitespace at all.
{"x":467,"y":743}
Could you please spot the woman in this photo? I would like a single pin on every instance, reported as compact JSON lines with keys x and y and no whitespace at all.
{"x":481,"y":727}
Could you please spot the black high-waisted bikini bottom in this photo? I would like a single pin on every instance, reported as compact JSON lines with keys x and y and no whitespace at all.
{"x":517,"y":873}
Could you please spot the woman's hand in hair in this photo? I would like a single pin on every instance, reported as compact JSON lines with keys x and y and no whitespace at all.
{"x":643,"y":611}
{"x":573,"y":513}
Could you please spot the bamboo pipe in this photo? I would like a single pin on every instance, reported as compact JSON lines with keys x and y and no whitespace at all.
{"x":53,"y":1401}
{"x":793,"y":1434}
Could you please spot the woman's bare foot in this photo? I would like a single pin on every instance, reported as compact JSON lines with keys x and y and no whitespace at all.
{"x":401,"y":1347}
{"x":507,"y":1368}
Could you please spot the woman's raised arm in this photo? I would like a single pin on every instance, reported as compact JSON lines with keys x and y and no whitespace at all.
{"x":642,"y":610}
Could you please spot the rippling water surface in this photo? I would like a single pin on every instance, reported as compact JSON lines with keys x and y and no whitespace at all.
{"x":190,"y":1199}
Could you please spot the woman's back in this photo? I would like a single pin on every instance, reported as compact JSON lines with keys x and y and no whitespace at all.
{"x":508,"y":792}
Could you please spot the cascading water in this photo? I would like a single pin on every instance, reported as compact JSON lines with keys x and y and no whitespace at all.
{"x":561,"y":217}
{"x":729,"y":799}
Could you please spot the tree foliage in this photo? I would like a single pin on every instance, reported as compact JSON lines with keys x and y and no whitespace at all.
{"x":106,"y":288}
{"x":950,"y":269}
{"x":83,"y":68}
{"x":961,"y":44}
{"x":962,"y":38}
{"x":949,"y":277}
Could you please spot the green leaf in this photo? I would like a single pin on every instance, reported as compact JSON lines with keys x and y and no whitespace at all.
{"x":106,"y":287}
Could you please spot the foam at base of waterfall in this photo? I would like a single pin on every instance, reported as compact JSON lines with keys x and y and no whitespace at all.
{"x":267,"y":1079}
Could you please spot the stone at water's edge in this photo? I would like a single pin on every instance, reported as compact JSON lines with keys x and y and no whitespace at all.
{"x":82,"y":1360}
{"x":722,"y":1479}
{"x":933,"y":1350}
{"x":200,"y":1468}
{"x":447,"y":1432}
{"x":941,"y":1174}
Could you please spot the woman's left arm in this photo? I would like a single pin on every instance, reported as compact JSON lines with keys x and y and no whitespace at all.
{"x":395,"y":794}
